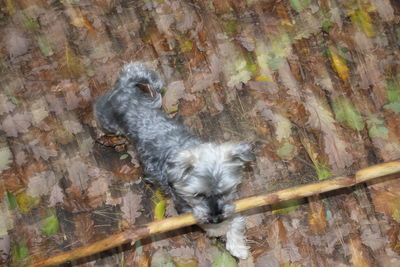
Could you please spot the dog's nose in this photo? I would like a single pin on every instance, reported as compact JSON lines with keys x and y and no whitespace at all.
{"x":215,"y":219}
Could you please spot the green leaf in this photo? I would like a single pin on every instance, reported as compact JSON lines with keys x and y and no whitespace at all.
{"x":30,"y":23}
{"x":393,"y":106}
{"x":50,"y":224}
{"x":393,"y":91}
{"x":12,"y":201}
{"x":169,"y":264}
{"x":224,"y":260}
{"x":124,"y":156}
{"x":346,"y":113}
{"x":159,"y":205}
{"x":376,"y":127}
{"x":299,"y":5}
{"x":44,"y":45}
{"x":286,"y":206}
{"x":326,"y":24}
{"x":19,"y":252}
{"x":322,"y":170}
{"x":285,"y":151}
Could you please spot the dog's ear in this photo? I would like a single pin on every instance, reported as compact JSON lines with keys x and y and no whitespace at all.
{"x":242,"y":152}
{"x":181,"y":164}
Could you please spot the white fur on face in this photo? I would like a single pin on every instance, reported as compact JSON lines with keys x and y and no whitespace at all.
{"x":206,"y":177}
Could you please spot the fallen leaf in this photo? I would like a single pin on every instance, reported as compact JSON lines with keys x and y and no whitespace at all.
{"x":16,"y":42}
{"x":41,"y":184}
{"x":18,"y":123}
{"x":44,"y":45}
{"x":286,"y":151}
{"x":175,"y":91}
{"x":78,"y":19}
{"x":72,"y":126}
{"x":321,"y":118}
{"x":339,"y":64}
{"x":6,"y":157}
{"x":56,"y":196}
{"x":20,"y":253}
{"x":5,"y":247}
{"x":99,"y":186}
{"x":317,"y":216}
{"x":6,"y":106}
{"x":362,"y":20}
{"x":387,"y":202}
{"x":283,"y":126}
{"x":376,"y":127}
{"x":286,"y":206}
{"x":358,"y":253}
{"x":26,"y":203}
{"x":71,"y":64}
{"x":84,"y":228}
{"x":224,"y":260}
{"x":131,"y":206}
{"x":299,"y":5}
{"x":50,"y":224}
{"x":346,"y":113}
{"x":159,"y":203}
{"x":385,"y":9}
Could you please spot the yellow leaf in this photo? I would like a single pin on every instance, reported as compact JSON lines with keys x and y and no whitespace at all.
{"x":362,"y":20}
{"x":10,"y":7}
{"x":396,"y":215}
{"x":286,"y":22}
{"x":78,"y":19}
{"x":159,"y":205}
{"x":71,"y":64}
{"x":263,"y":78}
{"x":26,"y":203}
{"x":339,"y":65}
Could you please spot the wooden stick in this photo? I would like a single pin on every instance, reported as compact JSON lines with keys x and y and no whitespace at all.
{"x":136,"y":233}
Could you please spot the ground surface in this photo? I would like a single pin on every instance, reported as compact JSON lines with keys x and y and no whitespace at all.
{"x":314,"y":84}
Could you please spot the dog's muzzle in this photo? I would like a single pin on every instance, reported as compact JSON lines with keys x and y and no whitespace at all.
{"x":216,"y":206}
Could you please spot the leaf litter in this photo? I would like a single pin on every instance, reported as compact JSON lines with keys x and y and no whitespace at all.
{"x":324,"y":73}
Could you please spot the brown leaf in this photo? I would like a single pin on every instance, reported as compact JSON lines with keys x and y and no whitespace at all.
{"x":112,"y":140}
{"x":359,"y":256}
{"x":317,"y":216}
{"x":387,"y":202}
{"x":99,"y":186}
{"x":175,"y":91}
{"x":128,"y":173}
{"x":6,"y":105}
{"x":18,"y":123}
{"x":84,"y":228}
{"x":16,"y":43}
{"x":138,"y":259}
{"x":131,"y":206}
{"x":190,"y":108}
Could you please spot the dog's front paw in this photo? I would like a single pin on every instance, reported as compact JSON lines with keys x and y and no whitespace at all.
{"x":238,"y":250}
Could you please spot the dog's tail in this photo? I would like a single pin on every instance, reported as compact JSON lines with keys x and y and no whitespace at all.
{"x":136,"y":73}
{"x":136,"y":83}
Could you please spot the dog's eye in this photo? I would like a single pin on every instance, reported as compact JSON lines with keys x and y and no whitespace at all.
{"x":201,"y":195}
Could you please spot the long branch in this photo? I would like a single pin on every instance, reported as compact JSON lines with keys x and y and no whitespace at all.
{"x":139,"y":232}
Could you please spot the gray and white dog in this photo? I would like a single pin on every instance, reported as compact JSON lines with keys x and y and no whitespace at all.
{"x":201,"y":178}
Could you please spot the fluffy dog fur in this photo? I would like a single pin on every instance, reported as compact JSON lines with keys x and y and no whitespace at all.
{"x":200,"y":177}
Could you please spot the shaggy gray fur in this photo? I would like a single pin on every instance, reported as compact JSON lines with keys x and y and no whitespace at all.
{"x":200,"y":177}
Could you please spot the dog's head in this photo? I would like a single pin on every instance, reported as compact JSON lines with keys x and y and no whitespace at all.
{"x":206,"y":178}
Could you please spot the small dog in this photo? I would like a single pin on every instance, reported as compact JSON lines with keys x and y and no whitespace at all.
{"x":201,"y":178}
